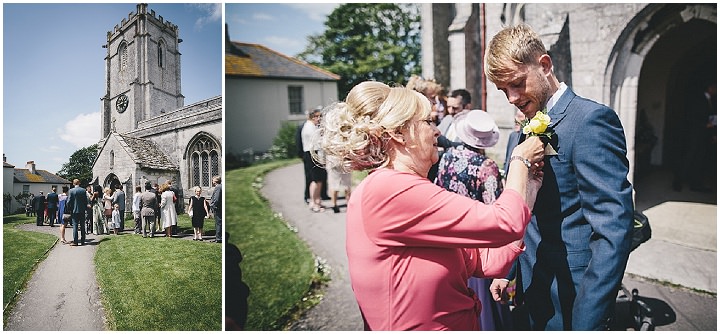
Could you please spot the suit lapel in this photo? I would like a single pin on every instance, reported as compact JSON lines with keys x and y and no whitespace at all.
{"x":559,"y":110}
{"x":557,"y":114}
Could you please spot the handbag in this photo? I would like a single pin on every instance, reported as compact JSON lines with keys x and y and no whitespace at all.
{"x":67,"y":209}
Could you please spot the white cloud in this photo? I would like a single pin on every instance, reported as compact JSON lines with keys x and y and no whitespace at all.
{"x":284,"y":42}
{"x":316,"y":11}
{"x":81,"y":131}
{"x":263,"y":17}
{"x":211,"y":13}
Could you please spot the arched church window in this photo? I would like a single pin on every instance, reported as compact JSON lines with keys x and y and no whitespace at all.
{"x":205,"y":168}
{"x":123,"y":52}
{"x":204,"y":161}
{"x":161,"y":46}
{"x":214,"y":163}
{"x":195,"y":169}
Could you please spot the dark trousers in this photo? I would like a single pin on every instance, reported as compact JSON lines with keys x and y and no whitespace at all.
{"x":89,"y":221}
{"x":218,"y":225}
{"x":40,"y":217}
{"x":122,"y":219}
{"x":78,"y":219}
{"x":52,"y":214}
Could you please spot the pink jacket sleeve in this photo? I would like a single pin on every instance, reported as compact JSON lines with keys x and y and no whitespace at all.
{"x":408,"y":210}
{"x":492,"y":262}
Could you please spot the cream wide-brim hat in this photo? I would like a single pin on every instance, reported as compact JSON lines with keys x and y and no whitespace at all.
{"x":476,"y":128}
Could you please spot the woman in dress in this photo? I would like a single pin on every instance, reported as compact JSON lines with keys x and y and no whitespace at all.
{"x":466,"y":170}
{"x":199,"y":208}
{"x":62,"y":200}
{"x":412,"y":245}
{"x":98,"y":213}
{"x":168,"y":216}
{"x":338,"y":180}
{"x":107,"y":200}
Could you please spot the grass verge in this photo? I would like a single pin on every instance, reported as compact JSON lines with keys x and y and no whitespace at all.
{"x":277,"y":266}
{"x":22,"y":251}
{"x":160,"y":283}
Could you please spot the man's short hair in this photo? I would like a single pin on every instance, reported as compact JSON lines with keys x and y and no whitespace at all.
{"x":464,"y":96}
{"x":148,"y":186}
{"x":217,"y":179}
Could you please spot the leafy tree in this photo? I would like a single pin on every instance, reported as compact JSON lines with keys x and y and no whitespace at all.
{"x":22,"y":198}
{"x":7,"y":200}
{"x":80,"y":165}
{"x":285,"y":140}
{"x":379,"y":41}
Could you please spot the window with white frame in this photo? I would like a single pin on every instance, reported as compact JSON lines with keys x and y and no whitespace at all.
{"x":295,"y":100}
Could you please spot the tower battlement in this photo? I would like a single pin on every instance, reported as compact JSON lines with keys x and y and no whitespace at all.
{"x":142,"y":11}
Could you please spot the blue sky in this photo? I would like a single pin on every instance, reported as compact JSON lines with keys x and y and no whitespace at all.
{"x":283,"y":27}
{"x":54,"y":72}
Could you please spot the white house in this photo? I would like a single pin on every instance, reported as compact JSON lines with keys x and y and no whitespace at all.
{"x":28,"y":180}
{"x":263,"y":89}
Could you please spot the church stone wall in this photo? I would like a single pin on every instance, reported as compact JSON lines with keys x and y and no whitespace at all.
{"x":173,"y":133}
{"x":593,"y":30}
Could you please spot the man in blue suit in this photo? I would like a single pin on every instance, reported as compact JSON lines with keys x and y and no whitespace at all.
{"x":78,"y":201}
{"x":578,"y":241}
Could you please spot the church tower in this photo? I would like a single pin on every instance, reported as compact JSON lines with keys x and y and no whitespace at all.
{"x":142,"y":71}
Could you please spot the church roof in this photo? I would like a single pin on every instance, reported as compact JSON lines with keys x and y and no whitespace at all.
{"x":255,"y":60}
{"x":6,"y":164}
{"x":145,"y":153}
{"x":23,"y":175}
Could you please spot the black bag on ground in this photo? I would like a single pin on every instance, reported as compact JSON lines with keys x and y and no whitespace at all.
{"x":641,"y":230}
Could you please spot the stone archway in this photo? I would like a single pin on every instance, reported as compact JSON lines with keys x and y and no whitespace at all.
{"x":111,"y":181}
{"x":651,"y":61}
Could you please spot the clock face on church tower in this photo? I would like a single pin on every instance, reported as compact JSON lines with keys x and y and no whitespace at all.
{"x":121,"y":103}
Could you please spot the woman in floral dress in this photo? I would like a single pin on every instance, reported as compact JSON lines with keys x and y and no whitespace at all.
{"x":466,"y":170}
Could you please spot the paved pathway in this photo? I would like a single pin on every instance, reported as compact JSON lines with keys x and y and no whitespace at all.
{"x":63,"y":293}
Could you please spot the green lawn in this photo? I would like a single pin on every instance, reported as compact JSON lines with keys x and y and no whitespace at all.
{"x":278,"y":267}
{"x":146,"y":284}
{"x":22,"y":251}
{"x":160,"y":283}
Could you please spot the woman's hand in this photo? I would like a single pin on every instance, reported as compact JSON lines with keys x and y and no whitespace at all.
{"x":532,"y":149}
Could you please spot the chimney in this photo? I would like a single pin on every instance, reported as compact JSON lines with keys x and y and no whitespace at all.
{"x":31,"y":166}
{"x":4,"y":158}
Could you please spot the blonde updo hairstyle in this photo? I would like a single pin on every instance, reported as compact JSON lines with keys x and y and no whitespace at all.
{"x":355,"y":133}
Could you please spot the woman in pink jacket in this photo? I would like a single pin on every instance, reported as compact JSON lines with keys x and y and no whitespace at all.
{"x":412,"y":245}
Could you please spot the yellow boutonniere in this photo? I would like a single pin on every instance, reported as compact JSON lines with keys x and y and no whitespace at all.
{"x":538,"y":125}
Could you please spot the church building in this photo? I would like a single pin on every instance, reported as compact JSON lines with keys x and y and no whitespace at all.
{"x":148,"y":133}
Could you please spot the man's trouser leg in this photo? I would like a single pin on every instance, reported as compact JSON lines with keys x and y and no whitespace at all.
{"x":218,"y":226}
